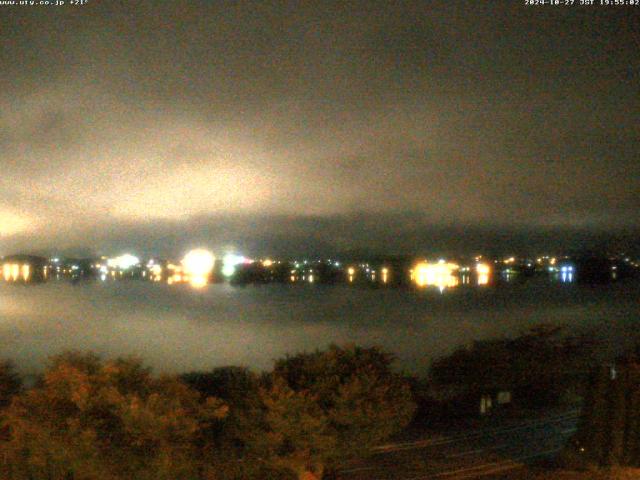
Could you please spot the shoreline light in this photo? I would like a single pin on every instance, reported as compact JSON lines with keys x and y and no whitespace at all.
{"x":123,"y":262}
{"x":229,"y":263}
{"x":198,"y":265}
{"x":440,"y":274}
{"x":385,"y":274}
{"x":483,"y":270}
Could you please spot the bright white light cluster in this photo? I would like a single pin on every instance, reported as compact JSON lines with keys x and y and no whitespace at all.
{"x":123,"y":262}
{"x":229,"y":263}
{"x":198,"y":262}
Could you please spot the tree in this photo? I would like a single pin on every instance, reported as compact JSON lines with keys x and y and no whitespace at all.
{"x":10,"y":383}
{"x":91,"y":419}
{"x":229,"y":442}
{"x":106,"y":420}
{"x":538,"y":366}
{"x":325,"y":407}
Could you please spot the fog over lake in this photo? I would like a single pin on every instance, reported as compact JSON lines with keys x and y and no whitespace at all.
{"x":176,"y":329}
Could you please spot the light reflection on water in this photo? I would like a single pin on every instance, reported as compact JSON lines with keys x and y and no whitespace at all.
{"x":566,"y":277}
{"x":176,"y":328}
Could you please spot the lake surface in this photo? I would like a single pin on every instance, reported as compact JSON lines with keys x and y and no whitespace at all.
{"x":175,"y":328}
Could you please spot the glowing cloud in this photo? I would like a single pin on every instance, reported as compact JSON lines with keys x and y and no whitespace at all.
{"x":11,"y":223}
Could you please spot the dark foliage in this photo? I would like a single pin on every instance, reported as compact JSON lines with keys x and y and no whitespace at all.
{"x":537,"y":366}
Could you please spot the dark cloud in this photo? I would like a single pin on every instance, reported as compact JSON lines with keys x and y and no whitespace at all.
{"x":120,"y":118}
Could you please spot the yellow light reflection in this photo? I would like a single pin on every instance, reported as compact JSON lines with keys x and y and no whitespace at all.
{"x":156,"y":273}
{"x":6,"y":272}
{"x":15,"y":272}
{"x":26,"y":271}
{"x":483,"y":270}
{"x":351,"y":271}
{"x":439,"y":274}
{"x":175,"y":278}
{"x":385,"y":275}
{"x":198,"y":281}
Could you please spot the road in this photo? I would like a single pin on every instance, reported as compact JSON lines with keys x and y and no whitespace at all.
{"x":470,"y":454}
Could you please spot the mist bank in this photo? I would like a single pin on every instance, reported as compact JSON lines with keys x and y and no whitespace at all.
{"x":347,"y":235}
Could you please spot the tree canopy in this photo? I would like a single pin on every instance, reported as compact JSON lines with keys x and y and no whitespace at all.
{"x":10,"y":382}
{"x":537,"y":365}
{"x":91,"y":419}
{"x":329,"y":406}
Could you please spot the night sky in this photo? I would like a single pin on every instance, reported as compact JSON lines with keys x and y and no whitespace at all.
{"x":316,"y":126}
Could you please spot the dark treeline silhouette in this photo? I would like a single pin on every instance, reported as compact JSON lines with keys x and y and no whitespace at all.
{"x":609,"y":433}
{"x":540,"y":368}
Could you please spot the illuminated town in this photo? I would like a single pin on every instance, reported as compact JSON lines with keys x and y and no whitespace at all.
{"x":201,"y":267}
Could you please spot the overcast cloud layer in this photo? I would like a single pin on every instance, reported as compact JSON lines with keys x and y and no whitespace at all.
{"x":159,"y":124}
